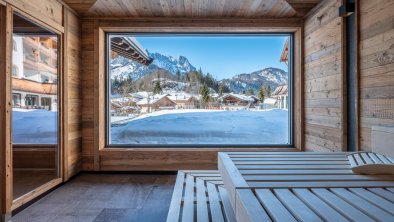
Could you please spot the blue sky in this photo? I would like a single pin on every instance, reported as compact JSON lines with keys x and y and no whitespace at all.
{"x":222,"y":56}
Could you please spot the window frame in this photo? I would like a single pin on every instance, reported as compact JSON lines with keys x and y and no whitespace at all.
{"x":291,"y":93}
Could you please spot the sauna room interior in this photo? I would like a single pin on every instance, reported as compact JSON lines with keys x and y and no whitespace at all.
{"x":196,"y":110}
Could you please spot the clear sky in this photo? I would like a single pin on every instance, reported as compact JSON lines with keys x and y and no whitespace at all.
{"x":222,"y":56}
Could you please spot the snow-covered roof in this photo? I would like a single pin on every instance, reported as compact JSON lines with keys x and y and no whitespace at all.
{"x":270,"y":101}
{"x":238,"y":96}
{"x":280,"y":91}
{"x":152,"y":99}
{"x":130,"y":48}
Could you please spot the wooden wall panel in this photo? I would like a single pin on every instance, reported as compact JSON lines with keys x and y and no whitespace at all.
{"x":95,"y":155}
{"x":72,"y":95}
{"x":376,"y":66}
{"x":323,"y":78}
{"x":88,"y":95}
{"x":48,"y":11}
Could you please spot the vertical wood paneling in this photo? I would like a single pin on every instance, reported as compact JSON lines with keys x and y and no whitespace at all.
{"x":376,"y":66}
{"x":323,"y":79}
{"x":72,"y":96}
{"x":5,"y":112}
{"x":88,"y":94}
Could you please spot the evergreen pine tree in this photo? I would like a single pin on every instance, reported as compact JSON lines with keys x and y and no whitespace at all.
{"x":269,"y":91}
{"x":204,"y":91}
{"x":261,"y":94}
{"x":157,"y":89}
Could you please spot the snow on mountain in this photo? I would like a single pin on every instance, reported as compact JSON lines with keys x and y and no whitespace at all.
{"x":123,"y":68}
{"x":268,"y":76}
{"x":172,"y":64}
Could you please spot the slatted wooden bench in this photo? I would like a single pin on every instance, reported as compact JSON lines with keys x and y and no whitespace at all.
{"x":303,"y":186}
{"x":200,"y":196}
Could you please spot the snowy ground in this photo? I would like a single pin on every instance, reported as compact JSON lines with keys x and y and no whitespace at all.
{"x":34,"y":126}
{"x":205,"y":127}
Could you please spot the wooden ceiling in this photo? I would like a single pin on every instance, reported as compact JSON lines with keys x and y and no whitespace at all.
{"x":192,"y":8}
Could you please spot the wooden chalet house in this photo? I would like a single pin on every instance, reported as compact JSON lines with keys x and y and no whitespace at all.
{"x":88,"y":134}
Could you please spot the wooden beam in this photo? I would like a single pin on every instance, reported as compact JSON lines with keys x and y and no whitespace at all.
{"x":302,"y":7}
{"x":81,"y":7}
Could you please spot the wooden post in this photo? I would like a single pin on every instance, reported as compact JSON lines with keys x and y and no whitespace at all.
{"x":5,"y":112}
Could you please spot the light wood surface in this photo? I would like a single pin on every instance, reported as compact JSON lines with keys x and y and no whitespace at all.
{"x":5,"y":112}
{"x":56,"y":17}
{"x":382,"y":140}
{"x":200,"y":196}
{"x":46,"y":12}
{"x":323,"y":79}
{"x":193,"y":9}
{"x":304,"y":186}
{"x":371,"y":163}
{"x":72,"y":96}
{"x":376,"y":67}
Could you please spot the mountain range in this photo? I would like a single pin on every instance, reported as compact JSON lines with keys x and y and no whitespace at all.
{"x":122,"y":68}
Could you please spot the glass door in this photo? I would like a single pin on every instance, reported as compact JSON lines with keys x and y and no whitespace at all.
{"x":35,"y":114}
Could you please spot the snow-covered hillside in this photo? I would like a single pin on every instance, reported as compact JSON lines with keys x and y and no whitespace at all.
{"x":268,"y":76}
{"x":123,"y":68}
{"x":205,"y":127}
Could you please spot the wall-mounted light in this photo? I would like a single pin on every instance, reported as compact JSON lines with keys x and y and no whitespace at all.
{"x":346,"y":9}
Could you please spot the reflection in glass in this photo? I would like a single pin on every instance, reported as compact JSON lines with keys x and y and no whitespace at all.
{"x":34,"y":85}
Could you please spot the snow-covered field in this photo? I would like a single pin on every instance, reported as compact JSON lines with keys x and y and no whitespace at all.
{"x":168,"y":127}
{"x":205,"y":127}
{"x":34,"y":126}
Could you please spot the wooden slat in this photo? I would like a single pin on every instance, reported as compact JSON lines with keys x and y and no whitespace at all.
{"x":296,"y":206}
{"x":340,"y":205}
{"x":311,"y":167}
{"x":229,"y":213}
{"x":373,"y":198}
{"x":176,"y":200}
{"x":383,"y":193}
{"x":295,"y":172}
{"x":366,"y":158}
{"x":290,"y":162}
{"x":311,"y":184}
{"x":202,"y":210}
{"x":367,"y":207}
{"x":323,"y":178}
{"x":188,"y":200}
{"x":318,"y":206}
{"x":199,"y":199}
{"x":273,"y":206}
{"x":214,"y":203}
{"x":248,"y":208}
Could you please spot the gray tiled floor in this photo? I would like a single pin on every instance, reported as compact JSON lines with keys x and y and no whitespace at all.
{"x":104,"y":197}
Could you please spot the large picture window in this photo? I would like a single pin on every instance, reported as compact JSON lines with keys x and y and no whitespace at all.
{"x":199,"y":90}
